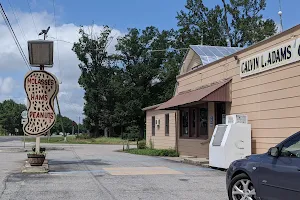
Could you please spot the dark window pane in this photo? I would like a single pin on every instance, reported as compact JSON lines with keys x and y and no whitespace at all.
{"x":167,"y":124}
{"x":194,"y":118}
{"x":185,"y":122}
{"x":153,"y":126}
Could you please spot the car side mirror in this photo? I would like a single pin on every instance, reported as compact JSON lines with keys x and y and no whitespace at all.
{"x":274,"y":151}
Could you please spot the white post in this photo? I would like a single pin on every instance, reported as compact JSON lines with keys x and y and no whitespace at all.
{"x":37,"y":144}
{"x":24,"y":140}
{"x":78,"y":125}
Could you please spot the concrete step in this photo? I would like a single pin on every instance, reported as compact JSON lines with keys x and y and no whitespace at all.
{"x":196,"y":161}
{"x":205,"y":165}
{"x":185,"y":156}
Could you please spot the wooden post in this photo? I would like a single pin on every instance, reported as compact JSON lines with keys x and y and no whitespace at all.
{"x":37,"y":144}
{"x":61,"y":121}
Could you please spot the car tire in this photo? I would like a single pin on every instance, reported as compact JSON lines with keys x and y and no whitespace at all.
{"x":239,"y":179}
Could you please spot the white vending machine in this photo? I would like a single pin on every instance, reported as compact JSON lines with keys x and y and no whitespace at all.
{"x":230,"y":141}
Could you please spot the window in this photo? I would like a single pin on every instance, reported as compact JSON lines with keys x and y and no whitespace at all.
{"x":203,"y":118}
{"x":185,"y":123}
{"x":291,"y":148}
{"x":167,"y":125}
{"x":193,"y":122}
{"x":193,"y":130}
{"x":153,"y":126}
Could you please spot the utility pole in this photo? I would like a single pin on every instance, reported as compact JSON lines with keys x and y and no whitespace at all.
{"x":78,"y":125}
{"x":61,"y":120}
{"x":280,"y":15}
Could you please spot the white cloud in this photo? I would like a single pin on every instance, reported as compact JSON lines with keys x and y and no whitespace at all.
{"x":6,"y":85}
{"x":65,"y":63}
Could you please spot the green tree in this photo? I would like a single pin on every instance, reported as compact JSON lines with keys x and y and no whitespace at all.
{"x":142,"y":54}
{"x":67,"y":123}
{"x":96,"y":73}
{"x":10,"y":116}
{"x":229,"y":20}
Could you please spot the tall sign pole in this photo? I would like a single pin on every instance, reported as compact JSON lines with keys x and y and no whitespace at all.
{"x":41,"y":89}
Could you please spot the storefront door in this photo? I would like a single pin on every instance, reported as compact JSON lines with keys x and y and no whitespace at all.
{"x":220,"y":113}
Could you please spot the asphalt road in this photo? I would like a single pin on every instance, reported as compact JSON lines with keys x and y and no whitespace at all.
{"x":10,"y":138}
{"x":98,"y":172}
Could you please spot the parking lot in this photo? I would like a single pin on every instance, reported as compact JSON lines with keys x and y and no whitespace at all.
{"x":99,"y":172}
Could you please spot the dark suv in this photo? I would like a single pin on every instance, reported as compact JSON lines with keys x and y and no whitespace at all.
{"x":274,"y":175}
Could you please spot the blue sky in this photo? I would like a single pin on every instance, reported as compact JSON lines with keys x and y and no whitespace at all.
{"x":70,"y":14}
{"x":123,"y":14}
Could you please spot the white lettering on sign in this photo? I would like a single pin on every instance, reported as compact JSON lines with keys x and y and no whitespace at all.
{"x":270,"y":59}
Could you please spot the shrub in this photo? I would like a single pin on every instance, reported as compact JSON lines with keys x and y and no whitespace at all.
{"x":141,"y":144}
{"x":83,"y":136}
{"x":151,"y":144}
{"x":154,"y":152}
{"x":42,"y":149}
{"x":132,"y":133}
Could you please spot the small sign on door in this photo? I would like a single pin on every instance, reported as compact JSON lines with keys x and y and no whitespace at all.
{"x":211,"y":121}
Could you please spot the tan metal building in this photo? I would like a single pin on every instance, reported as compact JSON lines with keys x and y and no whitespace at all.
{"x":160,"y":128}
{"x":261,"y":81}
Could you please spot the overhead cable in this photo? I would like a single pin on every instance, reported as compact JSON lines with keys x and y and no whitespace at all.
{"x":11,"y":30}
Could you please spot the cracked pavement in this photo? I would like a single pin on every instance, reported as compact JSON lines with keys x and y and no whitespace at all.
{"x":82,"y":172}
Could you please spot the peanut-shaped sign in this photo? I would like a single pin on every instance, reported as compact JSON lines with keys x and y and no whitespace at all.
{"x":41,"y":88}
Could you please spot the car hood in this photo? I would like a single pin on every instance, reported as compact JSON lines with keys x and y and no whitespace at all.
{"x":255,"y":157}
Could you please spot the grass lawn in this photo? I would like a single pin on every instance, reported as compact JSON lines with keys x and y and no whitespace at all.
{"x":153,"y":152}
{"x":74,"y":140}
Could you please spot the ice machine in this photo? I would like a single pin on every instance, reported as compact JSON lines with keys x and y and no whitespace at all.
{"x":230,"y":141}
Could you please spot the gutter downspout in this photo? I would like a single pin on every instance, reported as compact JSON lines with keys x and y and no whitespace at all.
{"x":177,"y":117}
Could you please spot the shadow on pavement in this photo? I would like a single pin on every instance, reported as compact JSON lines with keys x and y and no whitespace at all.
{"x":72,"y":162}
{"x":73,"y":165}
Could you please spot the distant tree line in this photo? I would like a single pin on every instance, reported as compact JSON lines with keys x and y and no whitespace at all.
{"x":143,"y":70}
{"x":10,"y":120}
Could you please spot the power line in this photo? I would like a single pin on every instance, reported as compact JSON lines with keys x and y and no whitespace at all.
{"x":21,"y":29}
{"x":54,"y":13}
{"x":60,"y":40}
{"x":5,"y":18}
{"x":156,"y":50}
{"x":32,"y":17}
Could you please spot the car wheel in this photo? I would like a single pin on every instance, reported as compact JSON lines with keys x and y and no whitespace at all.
{"x":241,"y":188}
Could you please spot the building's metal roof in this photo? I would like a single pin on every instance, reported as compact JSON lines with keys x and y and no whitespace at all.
{"x":209,"y":54}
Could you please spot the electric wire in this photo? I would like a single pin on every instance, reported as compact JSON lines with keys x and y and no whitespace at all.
{"x":20,"y":27}
{"x":57,"y":48}
{"x":60,"y":40}
{"x":8,"y":24}
{"x":32,"y":17}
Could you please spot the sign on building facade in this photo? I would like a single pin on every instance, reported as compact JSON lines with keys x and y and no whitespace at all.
{"x":276,"y":57}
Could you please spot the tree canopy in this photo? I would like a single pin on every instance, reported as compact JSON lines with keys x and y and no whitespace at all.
{"x":240,"y":21}
{"x":143,"y":70}
{"x":10,"y":120}
{"x":10,"y":117}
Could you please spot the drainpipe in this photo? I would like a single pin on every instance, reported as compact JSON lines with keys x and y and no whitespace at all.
{"x":177,"y":115}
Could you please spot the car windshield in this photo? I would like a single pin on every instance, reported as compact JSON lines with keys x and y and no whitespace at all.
{"x":292,"y":147}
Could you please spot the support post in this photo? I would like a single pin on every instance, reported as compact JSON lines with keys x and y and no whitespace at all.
{"x":61,"y":122}
{"x":24,"y":139}
{"x":78,"y":125}
{"x":37,"y":144}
